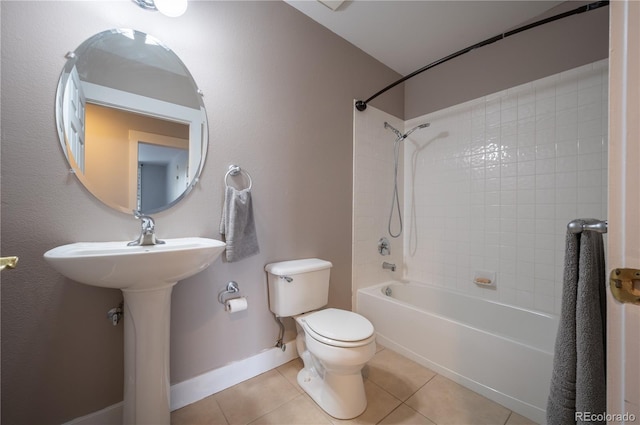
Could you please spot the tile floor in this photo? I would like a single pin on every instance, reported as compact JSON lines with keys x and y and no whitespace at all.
{"x":399,"y":391}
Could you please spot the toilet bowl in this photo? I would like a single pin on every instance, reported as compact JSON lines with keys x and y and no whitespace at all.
{"x":334,"y":346}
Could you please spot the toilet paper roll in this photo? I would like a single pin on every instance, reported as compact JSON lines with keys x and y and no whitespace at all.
{"x":236,"y":304}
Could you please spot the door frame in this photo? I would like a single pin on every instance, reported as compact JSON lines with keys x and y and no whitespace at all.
{"x":623,"y":240}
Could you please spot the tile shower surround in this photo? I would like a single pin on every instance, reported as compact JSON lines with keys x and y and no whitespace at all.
{"x":491,"y":185}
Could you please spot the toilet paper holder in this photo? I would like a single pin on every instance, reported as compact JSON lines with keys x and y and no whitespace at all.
{"x":232,"y":288}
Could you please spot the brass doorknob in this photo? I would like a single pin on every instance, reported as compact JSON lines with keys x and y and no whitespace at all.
{"x":8,"y":262}
{"x":625,"y":285}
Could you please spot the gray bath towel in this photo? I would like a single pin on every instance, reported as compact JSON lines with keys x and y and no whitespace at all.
{"x":238,"y":226}
{"x":578,"y":384}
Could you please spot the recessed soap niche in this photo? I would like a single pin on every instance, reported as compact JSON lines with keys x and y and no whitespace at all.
{"x":484,"y":278}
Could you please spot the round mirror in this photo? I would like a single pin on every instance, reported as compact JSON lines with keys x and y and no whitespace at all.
{"x":131,"y":121}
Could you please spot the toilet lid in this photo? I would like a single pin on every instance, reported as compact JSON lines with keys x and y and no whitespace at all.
{"x":339,"y":325}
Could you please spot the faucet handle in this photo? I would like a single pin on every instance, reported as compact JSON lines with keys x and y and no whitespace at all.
{"x":146,"y":221}
{"x":383,"y":246}
{"x":147,"y":233}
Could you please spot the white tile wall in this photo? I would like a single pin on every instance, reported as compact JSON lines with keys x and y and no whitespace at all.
{"x":491,"y":185}
{"x":372,"y":190}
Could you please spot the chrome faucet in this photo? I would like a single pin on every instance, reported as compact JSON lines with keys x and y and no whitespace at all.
{"x":147,"y":233}
{"x":389,"y":266}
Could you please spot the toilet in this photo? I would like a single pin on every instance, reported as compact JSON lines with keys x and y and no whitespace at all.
{"x":334,"y":344}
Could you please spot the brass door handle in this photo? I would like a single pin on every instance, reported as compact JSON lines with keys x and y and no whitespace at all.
{"x":8,"y":262}
{"x":625,"y":285}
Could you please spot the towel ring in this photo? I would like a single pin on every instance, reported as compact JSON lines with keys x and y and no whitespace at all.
{"x":235,"y":170}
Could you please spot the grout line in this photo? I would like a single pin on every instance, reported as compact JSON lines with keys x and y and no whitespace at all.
{"x":508,"y":417}
{"x":224,"y":415}
{"x":389,"y":414}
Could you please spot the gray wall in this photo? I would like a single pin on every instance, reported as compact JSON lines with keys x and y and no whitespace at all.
{"x":528,"y":56}
{"x":278,"y":91}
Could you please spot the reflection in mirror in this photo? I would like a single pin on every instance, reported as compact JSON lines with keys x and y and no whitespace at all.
{"x":131,"y":121}
{"x":162,"y":175}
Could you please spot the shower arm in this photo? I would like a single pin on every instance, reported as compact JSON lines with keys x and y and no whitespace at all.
{"x":361,"y":105}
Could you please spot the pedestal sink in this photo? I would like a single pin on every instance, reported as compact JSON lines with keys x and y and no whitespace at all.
{"x":146,"y":275}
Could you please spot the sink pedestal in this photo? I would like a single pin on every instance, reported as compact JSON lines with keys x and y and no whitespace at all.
{"x":146,"y":275}
{"x":146,"y":356}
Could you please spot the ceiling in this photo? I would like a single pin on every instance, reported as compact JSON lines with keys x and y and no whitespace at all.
{"x":407,"y":35}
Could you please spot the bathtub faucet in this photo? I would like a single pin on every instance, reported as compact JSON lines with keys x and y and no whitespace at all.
{"x":389,"y":266}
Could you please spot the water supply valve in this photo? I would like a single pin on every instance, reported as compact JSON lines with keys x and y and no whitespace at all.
{"x":115,"y":314}
{"x":383,"y":246}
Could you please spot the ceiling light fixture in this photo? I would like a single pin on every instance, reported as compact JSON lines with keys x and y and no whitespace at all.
{"x":171,"y":8}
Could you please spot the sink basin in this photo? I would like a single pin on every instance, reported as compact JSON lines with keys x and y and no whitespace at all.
{"x":146,"y":275}
{"x":116,"y":265}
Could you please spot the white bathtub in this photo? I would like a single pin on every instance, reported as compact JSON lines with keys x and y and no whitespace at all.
{"x":502,"y":352}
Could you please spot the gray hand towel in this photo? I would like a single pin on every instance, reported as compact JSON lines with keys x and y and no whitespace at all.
{"x":578,"y":384}
{"x":238,"y":226}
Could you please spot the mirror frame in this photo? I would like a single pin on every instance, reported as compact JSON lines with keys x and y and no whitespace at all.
{"x":72,"y":60}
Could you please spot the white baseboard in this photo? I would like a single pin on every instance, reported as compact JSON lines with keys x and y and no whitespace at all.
{"x":110,"y":415}
{"x":194,"y":389}
{"x":202,"y":386}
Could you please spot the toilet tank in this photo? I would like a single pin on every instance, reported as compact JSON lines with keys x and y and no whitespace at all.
{"x":298,"y":286}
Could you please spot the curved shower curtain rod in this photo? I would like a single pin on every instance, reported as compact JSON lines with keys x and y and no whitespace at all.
{"x":361,"y":105}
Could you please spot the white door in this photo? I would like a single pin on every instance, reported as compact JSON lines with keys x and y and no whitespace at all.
{"x":623,"y":247}
{"x":73,"y":117}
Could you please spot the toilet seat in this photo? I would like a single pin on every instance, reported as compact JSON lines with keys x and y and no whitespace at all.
{"x":339,"y":328}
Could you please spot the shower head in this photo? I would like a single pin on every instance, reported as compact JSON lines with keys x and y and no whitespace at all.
{"x":404,"y":136}
{"x":418,"y":127}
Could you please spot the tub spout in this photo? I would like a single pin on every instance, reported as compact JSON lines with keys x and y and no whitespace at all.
{"x":389,"y":266}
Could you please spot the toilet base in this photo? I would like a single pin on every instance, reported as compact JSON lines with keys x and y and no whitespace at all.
{"x":341,"y":396}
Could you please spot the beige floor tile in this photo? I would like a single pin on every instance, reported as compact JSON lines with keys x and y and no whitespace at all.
{"x":404,"y":415}
{"x":379,"y":404}
{"x":275,"y":398}
{"x":255,"y":397}
{"x":203,"y":412}
{"x":396,"y":374}
{"x":290,"y":371}
{"x":299,"y":411}
{"x":445,"y":402}
{"x":516,"y":419}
